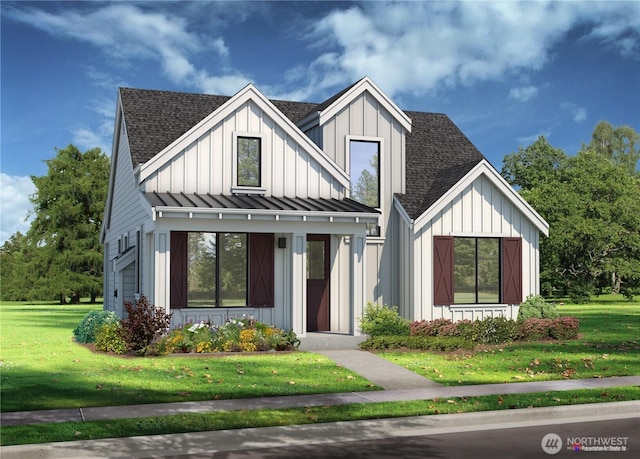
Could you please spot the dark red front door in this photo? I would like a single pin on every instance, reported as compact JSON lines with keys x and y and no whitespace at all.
{"x":318,"y":251}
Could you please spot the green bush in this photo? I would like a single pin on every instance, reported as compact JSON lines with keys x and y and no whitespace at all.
{"x":494,"y":330}
{"x":535,"y":307}
{"x":383,"y":321}
{"x":88,"y":327}
{"x":424,"y":343}
{"x":110,"y":338}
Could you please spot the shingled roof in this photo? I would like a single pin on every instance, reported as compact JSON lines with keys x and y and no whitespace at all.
{"x":438,"y":154}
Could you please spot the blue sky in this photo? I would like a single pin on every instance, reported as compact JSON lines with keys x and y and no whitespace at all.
{"x":504,"y":72}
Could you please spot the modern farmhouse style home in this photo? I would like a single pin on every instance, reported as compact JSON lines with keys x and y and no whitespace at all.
{"x":299,"y":214}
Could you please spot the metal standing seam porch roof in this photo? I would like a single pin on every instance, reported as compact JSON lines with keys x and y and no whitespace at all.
{"x":246,"y":204}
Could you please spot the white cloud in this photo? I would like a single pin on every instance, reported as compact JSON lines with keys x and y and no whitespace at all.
{"x":578,"y":113}
{"x":127,"y":32}
{"x":523,"y":93}
{"x":420,"y":47}
{"x":14,"y":204}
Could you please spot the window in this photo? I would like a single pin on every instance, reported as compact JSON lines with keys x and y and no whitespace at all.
{"x":221,"y":269}
{"x":365,"y":172}
{"x":476,"y":270}
{"x":248,"y":162}
{"x":365,"y":176}
{"x":470,"y":270}
{"x":217,"y":269}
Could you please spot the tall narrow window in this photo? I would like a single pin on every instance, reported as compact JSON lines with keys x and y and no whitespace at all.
{"x":233,"y":269}
{"x":249,"y":161}
{"x":201,"y":270}
{"x":365,"y":172}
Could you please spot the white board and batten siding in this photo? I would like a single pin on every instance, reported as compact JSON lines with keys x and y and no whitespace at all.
{"x":481,"y":209}
{"x":205,"y":165}
{"x":365,"y":118}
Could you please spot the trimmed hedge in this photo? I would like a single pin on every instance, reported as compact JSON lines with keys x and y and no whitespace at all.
{"x":425,"y":343}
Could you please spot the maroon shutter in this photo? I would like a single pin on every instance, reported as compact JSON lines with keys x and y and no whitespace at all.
{"x":178,"y":270}
{"x":512,"y":270}
{"x":261,"y":269}
{"x":442,"y":270}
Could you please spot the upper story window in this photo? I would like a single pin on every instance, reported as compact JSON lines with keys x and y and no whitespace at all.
{"x":365,"y":172}
{"x":248,"y":162}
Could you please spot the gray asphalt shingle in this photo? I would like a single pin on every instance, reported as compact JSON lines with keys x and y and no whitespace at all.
{"x":438,"y":154}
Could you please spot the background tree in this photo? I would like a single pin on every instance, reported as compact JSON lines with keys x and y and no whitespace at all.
{"x":593,"y":208}
{"x":16,"y":274}
{"x":68,"y":208}
{"x":617,"y":144}
{"x":533,"y":165}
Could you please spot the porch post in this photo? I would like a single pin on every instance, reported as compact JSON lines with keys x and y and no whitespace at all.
{"x":162,"y":282}
{"x":299,"y":283}
{"x":358,"y":280}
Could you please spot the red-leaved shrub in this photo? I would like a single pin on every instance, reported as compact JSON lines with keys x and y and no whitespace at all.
{"x":564,"y":328}
{"x":535,"y":329}
{"x":143,"y":323}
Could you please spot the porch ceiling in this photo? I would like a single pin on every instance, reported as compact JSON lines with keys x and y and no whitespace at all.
{"x":197,"y":204}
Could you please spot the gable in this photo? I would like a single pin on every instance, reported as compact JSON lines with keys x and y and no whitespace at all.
{"x":201,"y":159}
{"x":481,"y":202}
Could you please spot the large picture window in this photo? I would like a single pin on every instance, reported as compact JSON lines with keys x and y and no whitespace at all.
{"x":221,"y":269}
{"x":476,"y":270}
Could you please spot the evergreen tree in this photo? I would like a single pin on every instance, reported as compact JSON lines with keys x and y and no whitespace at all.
{"x":68,"y":207}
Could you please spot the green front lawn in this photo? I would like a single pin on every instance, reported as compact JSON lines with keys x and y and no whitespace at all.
{"x":43,"y":368}
{"x":608,"y":345}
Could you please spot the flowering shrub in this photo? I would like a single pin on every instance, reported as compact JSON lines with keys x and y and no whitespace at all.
{"x":88,"y":327}
{"x":236,"y":335}
{"x":110,"y":338}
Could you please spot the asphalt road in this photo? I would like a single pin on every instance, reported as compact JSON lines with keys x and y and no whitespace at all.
{"x":523,"y":442}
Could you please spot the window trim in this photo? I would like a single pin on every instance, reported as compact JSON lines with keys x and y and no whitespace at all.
{"x":243,"y":189}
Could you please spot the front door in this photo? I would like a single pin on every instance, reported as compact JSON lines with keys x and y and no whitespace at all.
{"x":318,"y":252}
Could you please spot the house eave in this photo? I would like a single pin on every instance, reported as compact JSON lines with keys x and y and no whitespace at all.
{"x":263,"y":214}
